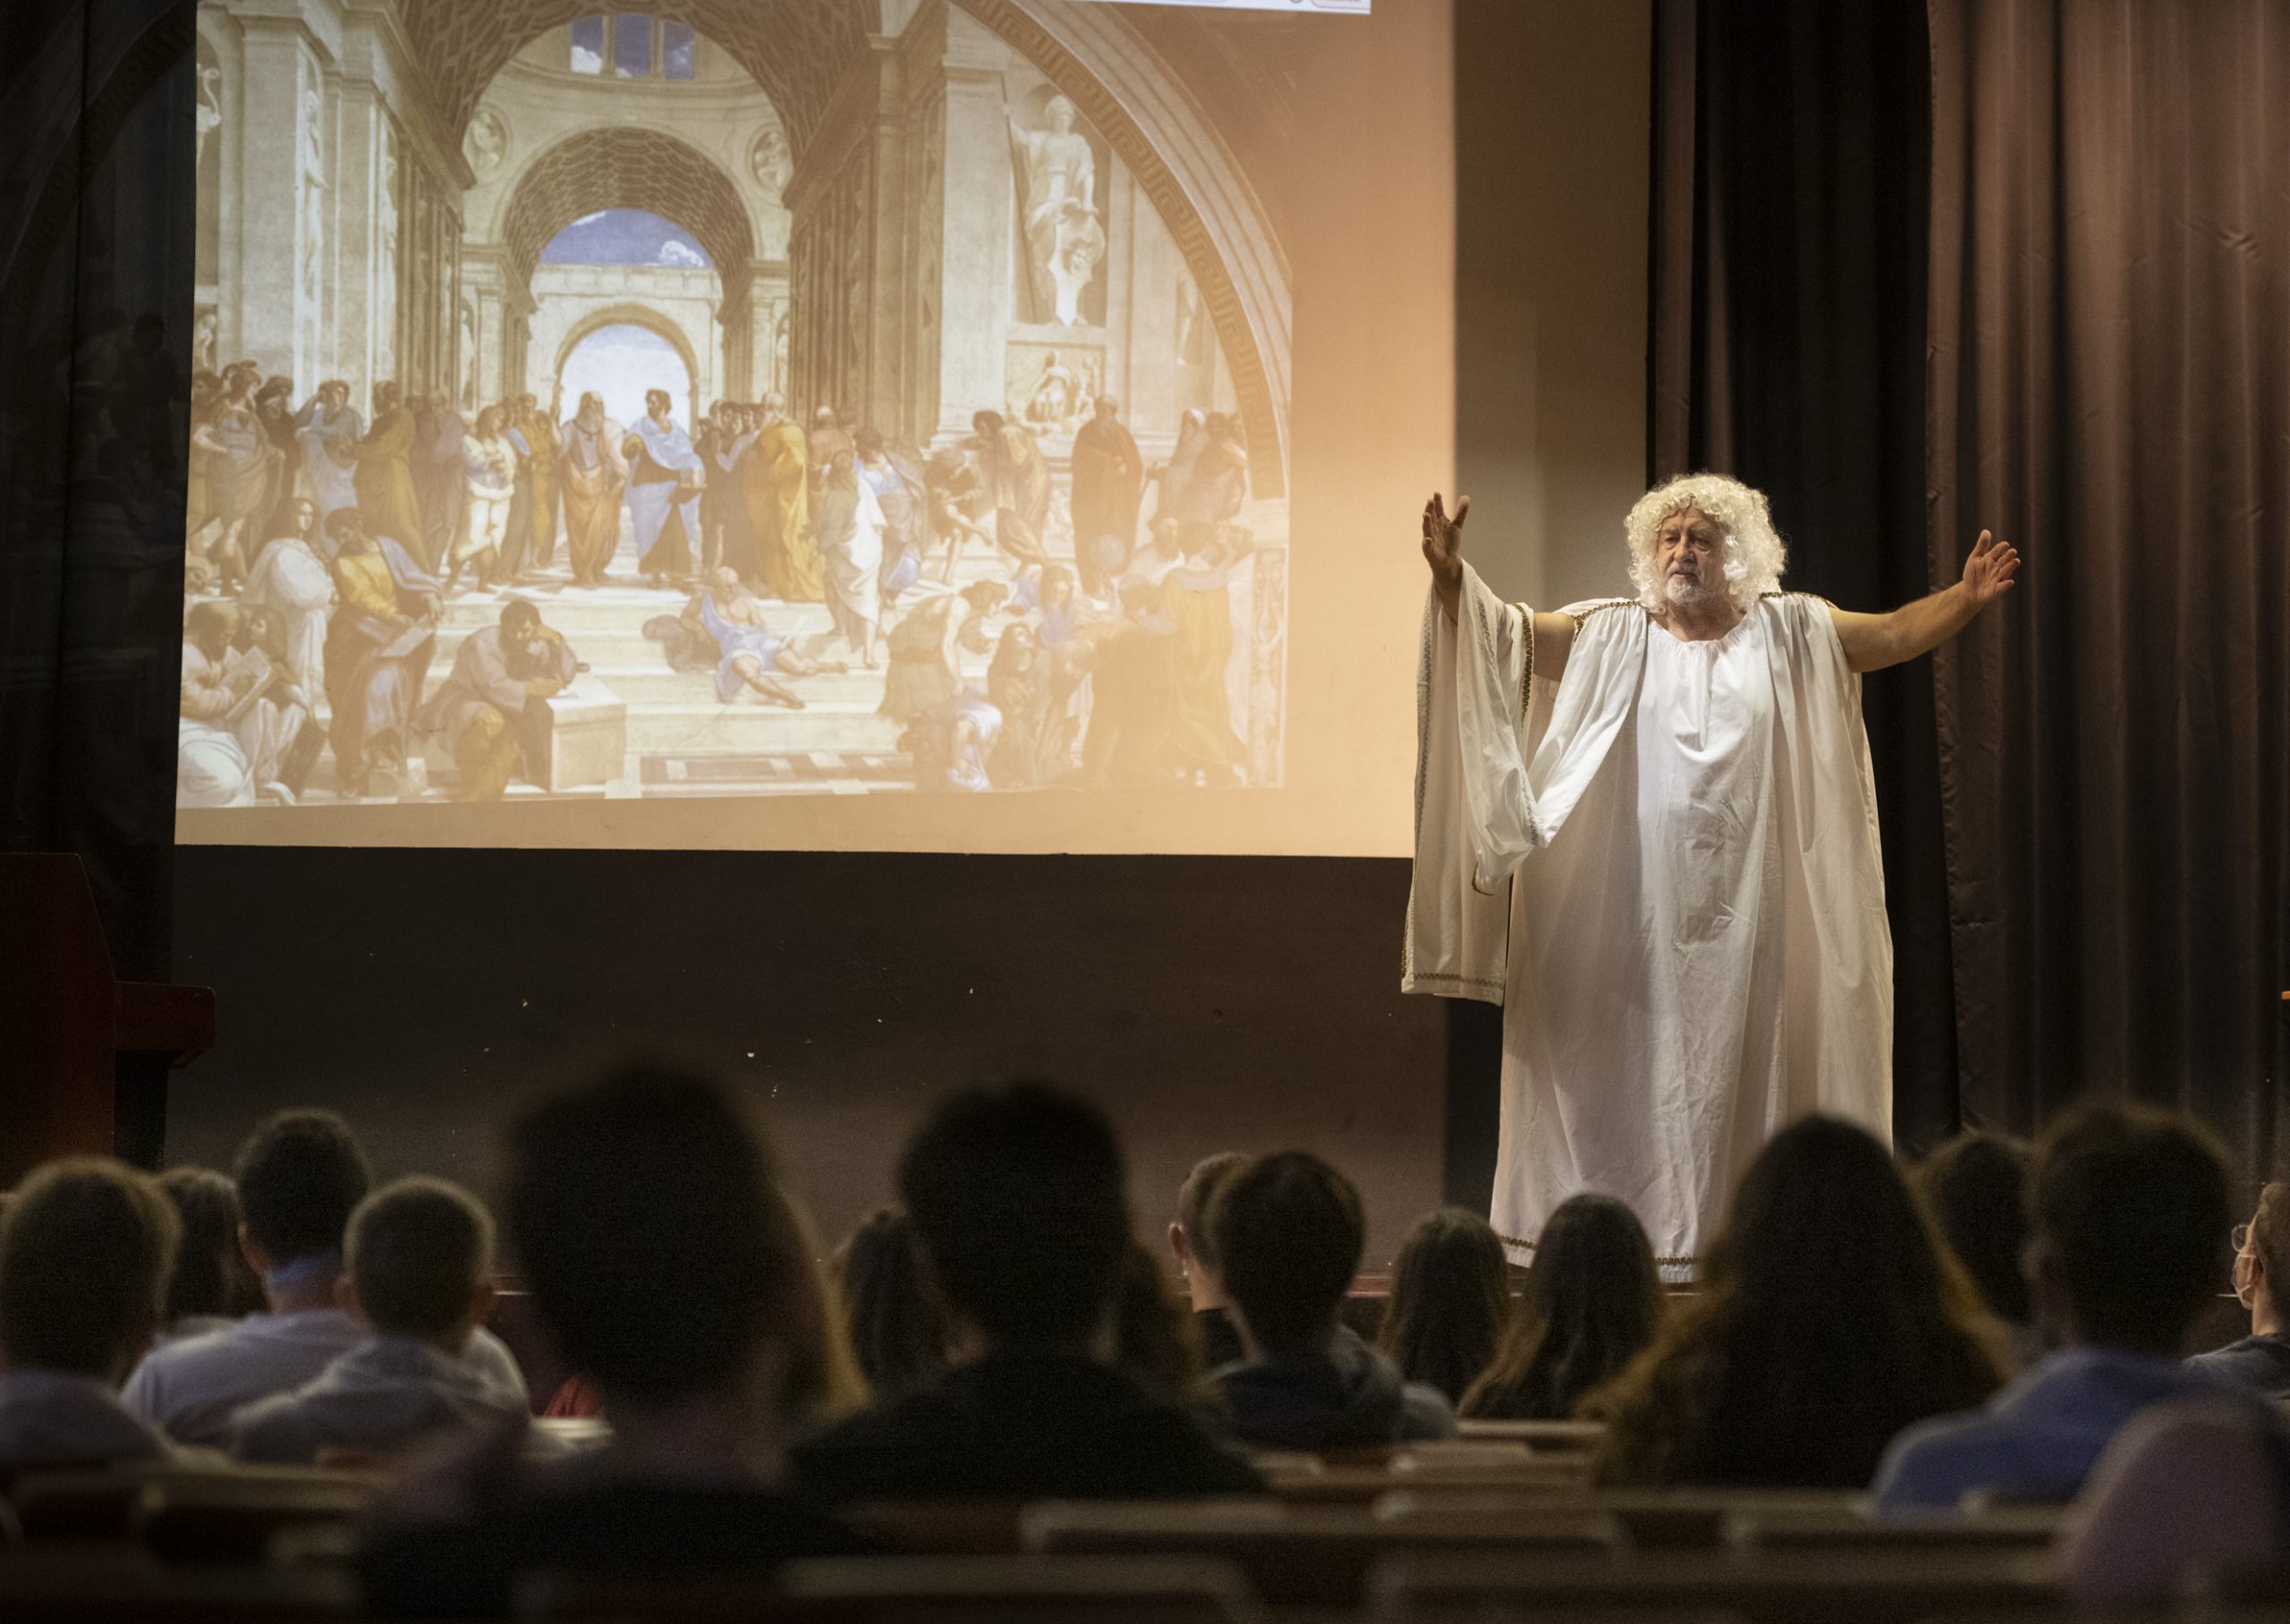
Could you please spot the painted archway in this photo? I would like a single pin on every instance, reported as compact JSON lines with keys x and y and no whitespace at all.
{"x":630,"y":314}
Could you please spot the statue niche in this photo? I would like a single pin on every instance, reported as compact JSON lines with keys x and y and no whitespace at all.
{"x":1058,"y":202}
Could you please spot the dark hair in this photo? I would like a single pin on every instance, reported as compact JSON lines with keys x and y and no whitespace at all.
{"x":1976,"y":1186}
{"x":898,"y":1329}
{"x":1450,"y":1301}
{"x":418,"y":1250}
{"x":523,"y":611}
{"x":84,"y":1258}
{"x":1830,"y":1317}
{"x":1195,"y":1195}
{"x":2135,"y":1205}
{"x":1289,"y":1233}
{"x":298,"y":1176}
{"x":211,"y":1278}
{"x":643,"y":1211}
{"x":213,"y":614}
{"x":1154,"y":1338}
{"x":2270,"y":1240}
{"x":345,"y":522}
{"x":1019,"y":1196}
{"x":1593,"y":1302}
{"x":870,"y":441}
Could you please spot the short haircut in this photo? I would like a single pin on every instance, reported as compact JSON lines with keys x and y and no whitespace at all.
{"x":520,"y":611}
{"x":2270,"y":1240}
{"x":418,"y":1250}
{"x":298,"y":1176}
{"x":84,"y":1258}
{"x":2135,"y":1204}
{"x":1019,"y":1197}
{"x":643,"y":1214}
{"x":1976,"y":1186}
{"x":1195,"y":1195}
{"x":1289,"y":1231}
{"x":210,"y":1278}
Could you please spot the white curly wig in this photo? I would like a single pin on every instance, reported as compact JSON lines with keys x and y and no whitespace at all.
{"x":1754,"y":554}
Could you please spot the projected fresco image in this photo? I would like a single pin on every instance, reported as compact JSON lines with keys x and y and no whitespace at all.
{"x":750,"y":397}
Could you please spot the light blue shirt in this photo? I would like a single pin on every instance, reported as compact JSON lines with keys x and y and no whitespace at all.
{"x":2038,"y":1439}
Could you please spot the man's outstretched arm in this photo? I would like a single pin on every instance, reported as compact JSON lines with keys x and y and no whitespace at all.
{"x":1443,"y":550}
{"x":1874,"y":641}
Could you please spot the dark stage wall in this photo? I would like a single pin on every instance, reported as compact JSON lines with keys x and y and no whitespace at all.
{"x":1209,"y":1004}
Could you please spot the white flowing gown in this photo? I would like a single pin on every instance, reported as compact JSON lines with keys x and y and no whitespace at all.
{"x":1665,"y":867}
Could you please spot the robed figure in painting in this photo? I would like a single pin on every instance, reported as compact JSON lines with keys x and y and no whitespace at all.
{"x":1108,"y":484}
{"x":377,"y":649}
{"x":594,"y":475}
{"x":663,"y":480}
{"x":1646,"y":828}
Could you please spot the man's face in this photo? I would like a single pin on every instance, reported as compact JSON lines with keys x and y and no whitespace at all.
{"x":1690,"y":557}
{"x":336,"y":398}
{"x":306,"y":518}
{"x":659,"y":406}
{"x":519,"y":634}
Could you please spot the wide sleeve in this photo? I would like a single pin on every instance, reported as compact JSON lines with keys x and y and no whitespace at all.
{"x":1457,"y":934}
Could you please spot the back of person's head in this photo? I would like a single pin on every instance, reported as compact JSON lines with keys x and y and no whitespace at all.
{"x":897,"y":1327}
{"x":1592,"y":1303}
{"x":1830,"y":1316}
{"x":2269,"y":1242}
{"x":1194,"y":1197}
{"x":420,"y":1254}
{"x":84,"y":1259}
{"x":1976,"y":1187}
{"x":211,"y":1279}
{"x":1019,"y":1198}
{"x":1155,"y":1337}
{"x":2132,"y":1208}
{"x":300,"y":1176}
{"x":1450,"y":1301}
{"x":644,"y":1217}
{"x":1288,"y":1232}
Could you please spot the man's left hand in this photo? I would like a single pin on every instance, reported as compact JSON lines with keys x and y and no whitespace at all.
{"x":1990,"y":570}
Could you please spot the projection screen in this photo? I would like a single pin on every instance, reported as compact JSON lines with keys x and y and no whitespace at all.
{"x":901,"y":424}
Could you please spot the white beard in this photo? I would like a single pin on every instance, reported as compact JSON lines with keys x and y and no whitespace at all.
{"x":1686,"y":593}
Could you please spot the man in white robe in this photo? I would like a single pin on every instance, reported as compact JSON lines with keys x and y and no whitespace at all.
{"x":1698,"y":952}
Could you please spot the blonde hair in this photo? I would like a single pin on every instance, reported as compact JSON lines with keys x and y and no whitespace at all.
{"x":1755,"y":555}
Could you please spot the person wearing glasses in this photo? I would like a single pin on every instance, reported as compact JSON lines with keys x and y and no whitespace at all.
{"x":2261,"y":1258}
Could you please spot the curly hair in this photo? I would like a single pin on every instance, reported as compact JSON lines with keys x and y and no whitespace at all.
{"x":1755,"y":555}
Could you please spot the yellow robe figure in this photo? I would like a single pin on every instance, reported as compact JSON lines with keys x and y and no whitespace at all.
{"x":385,"y":484}
{"x":1200,"y":721}
{"x":781,"y":517}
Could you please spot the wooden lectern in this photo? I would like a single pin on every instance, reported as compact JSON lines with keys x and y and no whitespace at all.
{"x":70,"y":1029}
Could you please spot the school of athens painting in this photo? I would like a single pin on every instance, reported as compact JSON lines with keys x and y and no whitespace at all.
{"x":736,"y":397}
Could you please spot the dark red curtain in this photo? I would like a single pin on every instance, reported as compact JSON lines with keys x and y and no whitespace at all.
{"x":2111,"y":387}
{"x":96,"y":147}
{"x":1791,"y":153}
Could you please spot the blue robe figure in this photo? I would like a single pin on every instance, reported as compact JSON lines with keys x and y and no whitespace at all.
{"x":735,"y":640}
{"x":665,"y":475}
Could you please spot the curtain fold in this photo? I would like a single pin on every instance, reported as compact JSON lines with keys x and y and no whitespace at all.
{"x":1791,"y":153}
{"x":97,"y":148}
{"x":2110,"y":388}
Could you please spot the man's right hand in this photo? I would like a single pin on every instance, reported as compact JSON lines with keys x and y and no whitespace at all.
{"x":1443,"y":549}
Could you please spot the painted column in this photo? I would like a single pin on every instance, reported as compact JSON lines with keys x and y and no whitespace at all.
{"x":269,"y":141}
{"x":975,"y":265}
